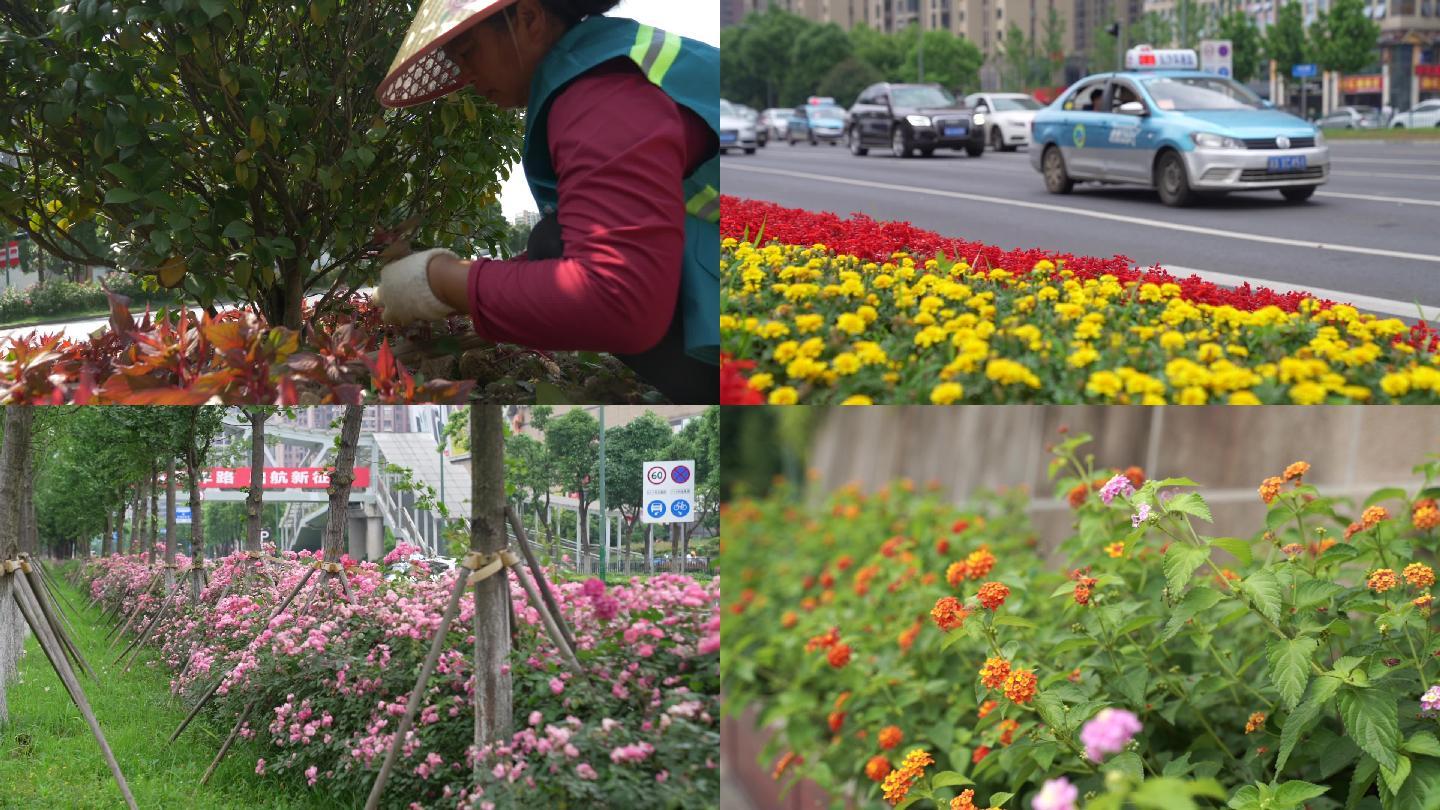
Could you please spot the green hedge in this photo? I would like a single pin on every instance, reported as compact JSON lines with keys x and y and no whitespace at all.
{"x":62,"y":296}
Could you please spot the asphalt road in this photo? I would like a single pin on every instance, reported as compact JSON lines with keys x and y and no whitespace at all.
{"x":1371,"y":235}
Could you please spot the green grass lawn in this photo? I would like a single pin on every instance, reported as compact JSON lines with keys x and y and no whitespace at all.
{"x":48,"y":758}
{"x":1407,"y":134}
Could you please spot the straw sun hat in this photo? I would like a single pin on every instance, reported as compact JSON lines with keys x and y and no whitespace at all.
{"x":421,"y":70}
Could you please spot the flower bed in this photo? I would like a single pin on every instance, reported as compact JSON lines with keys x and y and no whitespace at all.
{"x":857,"y":311}
{"x":906,"y":652}
{"x":344,"y":356}
{"x":638,"y":731}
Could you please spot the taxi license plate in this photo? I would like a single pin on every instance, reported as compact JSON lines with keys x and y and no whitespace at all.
{"x":1288,"y":163}
{"x":955,"y":132}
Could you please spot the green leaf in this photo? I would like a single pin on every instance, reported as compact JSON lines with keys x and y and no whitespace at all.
{"x":238,"y":230}
{"x":550,"y":394}
{"x":1314,"y":592}
{"x":1174,"y":482}
{"x":1387,"y":494}
{"x":999,"y":799}
{"x":1246,"y":798}
{"x":120,"y":196}
{"x":1180,"y":562}
{"x":1360,"y":782}
{"x":1235,"y":547}
{"x":1394,"y":780}
{"x":1195,"y":602}
{"x":1264,"y":593}
{"x":1128,"y":763}
{"x":1190,"y":503}
{"x":1014,"y":621}
{"x":1423,"y":743}
{"x":1292,"y":794}
{"x":949,"y":779}
{"x":1290,"y":666}
{"x":1305,"y":715}
{"x":1370,"y":720}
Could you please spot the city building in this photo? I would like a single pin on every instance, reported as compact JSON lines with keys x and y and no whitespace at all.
{"x":526,"y":219}
{"x":731,"y":12}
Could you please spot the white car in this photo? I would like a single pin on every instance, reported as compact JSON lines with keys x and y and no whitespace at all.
{"x":775,"y":120}
{"x":1425,"y":114}
{"x":737,"y":131}
{"x":1007,"y":118}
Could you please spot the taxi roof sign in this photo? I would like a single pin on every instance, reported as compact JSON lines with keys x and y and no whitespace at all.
{"x":821,"y":101}
{"x":1144,"y":57}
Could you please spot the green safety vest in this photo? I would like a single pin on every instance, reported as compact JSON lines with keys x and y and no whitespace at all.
{"x":688,"y":72}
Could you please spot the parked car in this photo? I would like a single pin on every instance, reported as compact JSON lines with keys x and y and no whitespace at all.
{"x":1425,"y":114}
{"x":1007,"y":118}
{"x":1350,"y":118}
{"x":753,"y":116}
{"x":1182,"y":132}
{"x":736,"y":131}
{"x":910,"y":118}
{"x":774,"y":120}
{"x":815,"y":123}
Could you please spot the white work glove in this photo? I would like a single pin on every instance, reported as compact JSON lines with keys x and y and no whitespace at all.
{"x":405,"y":294}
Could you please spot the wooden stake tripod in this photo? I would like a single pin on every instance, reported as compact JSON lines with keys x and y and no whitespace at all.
{"x":481,"y":567}
{"x":332,"y":570}
{"x":245,"y":581}
{"x":38,"y":616}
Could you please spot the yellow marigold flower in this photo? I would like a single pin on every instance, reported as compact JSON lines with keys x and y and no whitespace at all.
{"x":814,"y":347}
{"x":809,"y":323}
{"x":1419,"y":575}
{"x":1395,"y":385}
{"x":728,"y":323}
{"x":1307,"y":393}
{"x":1104,"y":384}
{"x":846,"y":363}
{"x":857,"y":399}
{"x":929,"y":336}
{"x":1008,"y":372}
{"x":1082,"y":357}
{"x":761,"y":381}
{"x":774,"y":329}
{"x":946,"y":393}
{"x":1372,"y":516}
{"x":784,"y":395}
{"x":1116,"y":550}
{"x":1172,"y":341}
{"x":1381,"y":580}
{"x":1255,"y":723}
{"x":786,"y":351}
{"x":1244,"y":398}
{"x":1193,"y":395}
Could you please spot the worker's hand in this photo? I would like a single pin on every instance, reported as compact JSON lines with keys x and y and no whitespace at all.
{"x":405,"y":293}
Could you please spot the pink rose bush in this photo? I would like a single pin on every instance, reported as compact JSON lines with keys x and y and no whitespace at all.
{"x":639,"y":728}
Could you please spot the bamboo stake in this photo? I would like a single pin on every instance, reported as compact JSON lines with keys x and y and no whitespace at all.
{"x":539,"y":572}
{"x":216,"y":686}
{"x":225,"y":748}
{"x":145,"y":633}
{"x":140,"y":645}
{"x":154,"y":578}
{"x":62,"y":668}
{"x":549,"y":622}
{"x":413,"y":704}
{"x":37,"y":588}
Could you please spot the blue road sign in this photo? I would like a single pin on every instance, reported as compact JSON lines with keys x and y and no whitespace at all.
{"x":680,"y":508}
{"x":656,"y":509}
{"x":1304,"y":71}
{"x":680,"y":474}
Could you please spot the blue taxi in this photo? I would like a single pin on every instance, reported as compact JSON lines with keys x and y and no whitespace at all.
{"x":1184,"y":132}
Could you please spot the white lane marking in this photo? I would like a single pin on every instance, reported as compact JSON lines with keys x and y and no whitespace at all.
{"x":1398,"y":162}
{"x":1426,"y":178}
{"x":1128,"y":220}
{"x":1370,"y":303}
{"x":1376,"y":198}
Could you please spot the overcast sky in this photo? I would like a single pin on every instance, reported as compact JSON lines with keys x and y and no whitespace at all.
{"x":697,"y":19}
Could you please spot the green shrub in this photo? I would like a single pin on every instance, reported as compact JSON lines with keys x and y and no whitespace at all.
{"x":62,"y":296}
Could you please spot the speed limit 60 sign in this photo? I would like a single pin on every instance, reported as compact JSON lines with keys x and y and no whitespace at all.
{"x":669,"y":488}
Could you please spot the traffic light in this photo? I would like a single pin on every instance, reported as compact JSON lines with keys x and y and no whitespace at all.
{"x":1113,"y":29}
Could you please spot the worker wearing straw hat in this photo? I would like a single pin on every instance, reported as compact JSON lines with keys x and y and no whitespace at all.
{"x":621,"y":154}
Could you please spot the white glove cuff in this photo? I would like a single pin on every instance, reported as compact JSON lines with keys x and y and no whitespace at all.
{"x":407,"y":280}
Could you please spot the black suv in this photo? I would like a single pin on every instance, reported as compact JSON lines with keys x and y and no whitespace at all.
{"x":913,"y":117}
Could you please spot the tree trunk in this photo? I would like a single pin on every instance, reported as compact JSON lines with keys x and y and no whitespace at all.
{"x":105,"y":538}
{"x":493,"y":697}
{"x":13,"y":462}
{"x":254,"y":499}
{"x":197,"y":518}
{"x":151,"y":534}
{"x":170,"y":523}
{"x":133,"y":544}
{"x":29,"y":532}
{"x":340,"y":481}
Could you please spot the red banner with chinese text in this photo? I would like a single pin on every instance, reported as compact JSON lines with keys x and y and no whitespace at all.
{"x":278,"y":478}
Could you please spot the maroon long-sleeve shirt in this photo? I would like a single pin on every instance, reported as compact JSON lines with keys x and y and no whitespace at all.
{"x":621,"y":150}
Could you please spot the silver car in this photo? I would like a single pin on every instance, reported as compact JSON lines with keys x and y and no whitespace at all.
{"x":737,"y":131}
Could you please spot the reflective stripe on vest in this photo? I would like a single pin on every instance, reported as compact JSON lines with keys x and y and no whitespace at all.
{"x":654,"y":54}
{"x":705,"y":205}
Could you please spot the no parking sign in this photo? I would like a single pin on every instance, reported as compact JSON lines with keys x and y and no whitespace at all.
{"x":669,"y":491}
